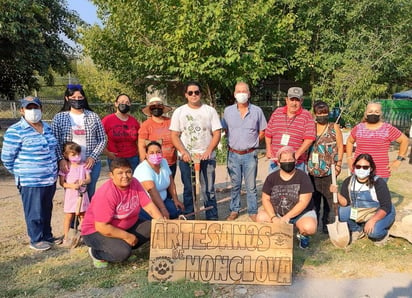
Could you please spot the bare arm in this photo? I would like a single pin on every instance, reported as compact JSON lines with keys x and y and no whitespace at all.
{"x":305,"y":146}
{"x":261,"y":135}
{"x":153,"y":211}
{"x":109,"y":154}
{"x":349,"y":150}
{"x":177,"y":142}
{"x":303,"y":202}
{"x":173,"y":193}
{"x":267,"y":205}
{"x":150,"y":187}
{"x":339,"y":146}
{"x":213,"y":144}
{"x":268,"y":142}
{"x":403,"y":148}
{"x":141,"y":144}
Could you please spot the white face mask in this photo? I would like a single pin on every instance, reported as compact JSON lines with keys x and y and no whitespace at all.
{"x":361,"y":173}
{"x":33,"y":115}
{"x":241,"y":97}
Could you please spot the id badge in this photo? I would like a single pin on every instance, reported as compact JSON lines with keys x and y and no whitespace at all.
{"x":315,"y":157}
{"x":353,"y":213}
{"x":285,"y":139}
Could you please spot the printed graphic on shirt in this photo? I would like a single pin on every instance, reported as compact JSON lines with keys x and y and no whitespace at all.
{"x":284,"y":197}
{"x":126,"y":207}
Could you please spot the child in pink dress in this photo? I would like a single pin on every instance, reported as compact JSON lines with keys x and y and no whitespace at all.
{"x":74,"y":182}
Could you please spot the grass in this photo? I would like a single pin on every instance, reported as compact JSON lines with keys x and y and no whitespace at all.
{"x":65,"y":273}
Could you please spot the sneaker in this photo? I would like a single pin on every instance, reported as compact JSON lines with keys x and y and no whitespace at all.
{"x":232,"y":216}
{"x":40,"y":246}
{"x":383,"y":241}
{"x":303,"y":241}
{"x":356,"y":235}
{"x":55,"y":241}
{"x":96,"y":262}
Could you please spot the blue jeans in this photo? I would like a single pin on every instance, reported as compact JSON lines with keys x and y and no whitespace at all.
{"x":274,"y":166}
{"x":115,"y":249}
{"x":170,"y":206}
{"x":38,"y":206}
{"x":245,"y":165}
{"x":381,"y":227}
{"x":134,"y":162}
{"x":94,"y":175}
{"x":207,"y":189}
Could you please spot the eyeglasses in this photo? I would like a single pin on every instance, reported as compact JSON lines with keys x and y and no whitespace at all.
{"x":362,"y":167}
{"x":190,"y":93}
{"x":294,"y":99}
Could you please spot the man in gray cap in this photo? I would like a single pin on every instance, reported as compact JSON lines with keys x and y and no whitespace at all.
{"x":290,"y":125}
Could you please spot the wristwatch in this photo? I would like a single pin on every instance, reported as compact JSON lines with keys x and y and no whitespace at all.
{"x":400,"y":158}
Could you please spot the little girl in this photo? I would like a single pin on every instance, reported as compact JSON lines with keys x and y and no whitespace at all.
{"x":74,"y":182}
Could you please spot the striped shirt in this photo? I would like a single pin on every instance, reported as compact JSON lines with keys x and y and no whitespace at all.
{"x":299,"y":128}
{"x":29,"y":155}
{"x":376,"y":143}
{"x":95,"y":135}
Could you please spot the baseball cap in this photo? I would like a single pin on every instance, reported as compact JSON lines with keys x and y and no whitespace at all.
{"x":295,"y":92}
{"x":30,"y":99}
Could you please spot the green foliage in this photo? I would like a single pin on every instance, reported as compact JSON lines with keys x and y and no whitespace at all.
{"x":30,"y":42}
{"x":216,"y":42}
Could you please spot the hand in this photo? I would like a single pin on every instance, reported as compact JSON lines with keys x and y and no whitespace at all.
{"x":394,"y":165}
{"x":369,"y":226}
{"x":179,"y":205}
{"x":63,"y":166}
{"x":333,"y":188}
{"x":186,"y":156}
{"x":206,"y":155}
{"x":111,"y":155}
{"x":268,"y":154}
{"x":89,"y":163}
{"x":165,"y":213}
{"x":338,"y":169}
{"x":285,"y":219}
{"x":131,"y":239}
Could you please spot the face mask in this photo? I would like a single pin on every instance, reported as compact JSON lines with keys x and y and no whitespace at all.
{"x":123,"y":108}
{"x":77,"y":104}
{"x":287,"y":166}
{"x":75,"y":159}
{"x":241,"y":97}
{"x":155,"y":158}
{"x":361,"y":173}
{"x":157,"y":112}
{"x":372,"y":118}
{"x":33,"y":115}
{"x":322,"y":119}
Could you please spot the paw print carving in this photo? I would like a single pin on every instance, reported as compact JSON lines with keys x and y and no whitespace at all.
{"x":162,"y":268}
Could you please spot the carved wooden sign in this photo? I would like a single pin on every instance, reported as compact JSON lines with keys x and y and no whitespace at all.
{"x":221,"y":252}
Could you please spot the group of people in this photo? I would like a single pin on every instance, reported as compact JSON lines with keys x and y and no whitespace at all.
{"x":304,"y":150}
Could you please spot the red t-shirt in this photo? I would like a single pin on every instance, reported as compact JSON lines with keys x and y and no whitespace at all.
{"x":121,"y":135}
{"x":376,"y":143}
{"x":117,"y":207}
{"x":299,"y":128}
{"x":153,"y":131}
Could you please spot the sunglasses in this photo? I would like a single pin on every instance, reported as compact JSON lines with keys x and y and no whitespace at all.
{"x":362,"y":167}
{"x":190,"y":93}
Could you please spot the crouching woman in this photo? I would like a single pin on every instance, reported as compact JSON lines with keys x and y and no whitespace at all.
{"x":111,"y":226}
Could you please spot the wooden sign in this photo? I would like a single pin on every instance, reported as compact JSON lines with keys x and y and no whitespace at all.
{"x":221,"y":252}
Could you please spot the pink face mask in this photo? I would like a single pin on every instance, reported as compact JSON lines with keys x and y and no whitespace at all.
{"x":155,"y":158}
{"x":75,"y":159}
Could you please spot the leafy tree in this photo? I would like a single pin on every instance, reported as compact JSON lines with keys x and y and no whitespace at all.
{"x":216,"y":42}
{"x":31,"y":44}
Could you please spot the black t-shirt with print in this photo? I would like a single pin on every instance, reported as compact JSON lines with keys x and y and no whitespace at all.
{"x":284,"y":195}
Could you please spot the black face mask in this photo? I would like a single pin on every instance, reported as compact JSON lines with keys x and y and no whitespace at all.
{"x":77,"y":104}
{"x":373,"y":118}
{"x":287,"y":166}
{"x":157,"y":112}
{"x":123,"y":108}
{"x":322,"y":119}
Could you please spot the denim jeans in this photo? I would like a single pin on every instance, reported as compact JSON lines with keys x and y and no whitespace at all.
{"x":381,"y":227}
{"x":170,"y":206}
{"x":115,"y":249}
{"x":207,"y":186}
{"x":238,"y":166}
{"x":134,"y":162}
{"x":94,"y":175}
{"x":38,"y":206}
{"x":274,"y":166}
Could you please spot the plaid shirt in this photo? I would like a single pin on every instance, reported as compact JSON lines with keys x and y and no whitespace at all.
{"x":95,"y":135}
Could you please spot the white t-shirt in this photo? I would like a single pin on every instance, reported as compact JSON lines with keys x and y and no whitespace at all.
{"x":144,"y":172}
{"x":196,"y":127}
{"x":79,"y":132}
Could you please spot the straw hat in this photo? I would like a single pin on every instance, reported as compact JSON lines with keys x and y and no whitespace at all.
{"x":155,"y":101}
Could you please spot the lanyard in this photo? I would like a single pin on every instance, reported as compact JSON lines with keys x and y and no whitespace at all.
{"x":287,"y":122}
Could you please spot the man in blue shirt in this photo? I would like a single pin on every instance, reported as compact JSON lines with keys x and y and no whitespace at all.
{"x":244,"y":124}
{"x":29,"y":153}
